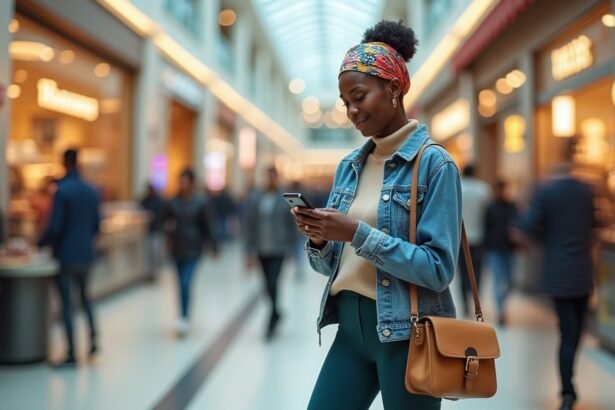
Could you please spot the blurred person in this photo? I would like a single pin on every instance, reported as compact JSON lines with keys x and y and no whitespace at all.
{"x":561,"y":216}
{"x":361,"y":240}
{"x":154,"y":204}
{"x":499,"y":245}
{"x":224,"y":208}
{"x":299,"y":251}
{"x":270,"y":236}
{"x":72,"y":229}
{"x":188,"y":222}
{"x":475,"y":196}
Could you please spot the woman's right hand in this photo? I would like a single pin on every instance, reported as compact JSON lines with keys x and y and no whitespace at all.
{"x":314,"y":242}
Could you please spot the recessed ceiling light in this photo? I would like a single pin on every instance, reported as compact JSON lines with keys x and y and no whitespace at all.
{"x":608,"y":20}
{"x":227,"y":17}
{"x":14,"y":26}
{"x":310,"y":105}
{"x":296,"y":86}
{"x":67,"y":56}
{"x":102,"y":70}
{"x":13,"y":91}
{"x":20,"y":76}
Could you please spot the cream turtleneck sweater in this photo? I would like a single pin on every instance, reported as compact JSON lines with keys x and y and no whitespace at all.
{"x":356,"y":273}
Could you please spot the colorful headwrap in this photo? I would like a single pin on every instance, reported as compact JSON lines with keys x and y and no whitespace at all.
{"x":378,"y":59}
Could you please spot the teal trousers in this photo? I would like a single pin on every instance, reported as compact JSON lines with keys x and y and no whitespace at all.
{"x":358,"y":365}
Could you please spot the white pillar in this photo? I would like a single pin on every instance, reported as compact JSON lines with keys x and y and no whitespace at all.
{"x":148,"y":130}
{"x":242,"y":41}
{"x":204,"y":129}
{"x":237,"y":184}
{"x":416,"y":17}
{"x":6,"y":14}
{"x":210,"y":30}
{"x":466,"y":91}
{"x":263,"y":80}
{"x":526,"y":108}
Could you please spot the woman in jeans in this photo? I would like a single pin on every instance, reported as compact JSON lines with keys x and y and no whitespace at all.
{"x":360,"y":241}
{"x":189,"y":224}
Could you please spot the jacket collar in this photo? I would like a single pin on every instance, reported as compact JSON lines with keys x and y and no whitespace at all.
{"x":72,"y":174}
{"x":407,"y":151}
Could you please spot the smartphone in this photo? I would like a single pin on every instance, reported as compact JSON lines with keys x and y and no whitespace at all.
{"x":297,"y":199}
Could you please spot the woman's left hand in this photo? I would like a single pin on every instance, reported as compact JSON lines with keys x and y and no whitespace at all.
{"x":326,"y":224}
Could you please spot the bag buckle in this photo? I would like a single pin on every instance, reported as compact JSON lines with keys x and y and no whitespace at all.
{"x":414,"y":320}
{"x":471,"y":369}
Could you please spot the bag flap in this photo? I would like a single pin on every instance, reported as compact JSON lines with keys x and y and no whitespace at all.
{"x":454,"y":336}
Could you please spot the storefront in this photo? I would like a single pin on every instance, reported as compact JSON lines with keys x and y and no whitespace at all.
{"x":449,"y":123}
{"x":575,"y":86}
{"x":71,"y":86}
{"x":502,"y":129}
{"x":179,"y":104}
{"x":63,"y":96}
{"x":575,"y":77}
{"x":220,"y":150}
{"x":575,"y":93}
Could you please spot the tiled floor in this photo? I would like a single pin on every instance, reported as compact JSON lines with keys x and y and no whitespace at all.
{"x":142,"y":360}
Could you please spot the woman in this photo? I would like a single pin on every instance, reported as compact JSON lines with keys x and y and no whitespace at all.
{"x":188,"y":222}
{"x":361,"y":239}
{"x":270,"y":235}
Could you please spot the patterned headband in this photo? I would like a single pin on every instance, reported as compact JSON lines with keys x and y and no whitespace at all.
{"x":378,"y":59}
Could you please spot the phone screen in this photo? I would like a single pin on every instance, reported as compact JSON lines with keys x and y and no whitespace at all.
{"x":297,"y":199}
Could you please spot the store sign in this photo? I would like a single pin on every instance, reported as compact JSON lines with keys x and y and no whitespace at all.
{"x":451,"y":120}
{"x":572,"y":58}
{"x":66,"y":102}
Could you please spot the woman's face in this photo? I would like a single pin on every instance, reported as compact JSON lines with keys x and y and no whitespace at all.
{"x":368,"y":101}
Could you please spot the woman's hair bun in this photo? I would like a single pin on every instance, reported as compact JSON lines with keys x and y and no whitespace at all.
{"x":395,"y":34}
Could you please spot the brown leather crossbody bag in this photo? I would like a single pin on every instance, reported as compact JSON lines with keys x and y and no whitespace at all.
{"x":449,"y":358}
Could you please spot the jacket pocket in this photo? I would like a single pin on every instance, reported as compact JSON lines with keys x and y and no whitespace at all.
{"x":400,"y":212}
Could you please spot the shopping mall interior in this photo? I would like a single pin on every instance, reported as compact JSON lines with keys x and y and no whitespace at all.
{"x":148,"y":259}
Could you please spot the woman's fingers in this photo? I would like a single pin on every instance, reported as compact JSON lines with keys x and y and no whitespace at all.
{"x":311,"y":213}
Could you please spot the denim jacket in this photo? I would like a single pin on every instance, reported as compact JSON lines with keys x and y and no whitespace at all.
{"x":430,"y":264}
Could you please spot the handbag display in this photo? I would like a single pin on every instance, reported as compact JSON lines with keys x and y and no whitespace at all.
{"x":449,"y":358}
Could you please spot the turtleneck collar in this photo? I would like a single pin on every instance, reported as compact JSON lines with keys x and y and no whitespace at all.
{"x":387,"y":146}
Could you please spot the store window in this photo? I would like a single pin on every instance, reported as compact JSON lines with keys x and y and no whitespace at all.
{"x":63,"y":96}
{"x":186,"y":12}
{"x":575,"y":84}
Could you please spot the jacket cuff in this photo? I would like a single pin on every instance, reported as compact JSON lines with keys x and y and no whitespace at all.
{"x":321,"y":253}
{"x":361,"y":234}
{"x":367,"y":241}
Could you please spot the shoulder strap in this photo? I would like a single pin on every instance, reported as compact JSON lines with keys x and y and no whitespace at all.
{"x":414,"y":309}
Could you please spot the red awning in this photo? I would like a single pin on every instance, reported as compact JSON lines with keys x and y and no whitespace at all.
{"x":500,"y":17}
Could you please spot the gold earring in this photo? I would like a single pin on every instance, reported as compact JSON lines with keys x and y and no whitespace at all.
{"x":394,"y":102}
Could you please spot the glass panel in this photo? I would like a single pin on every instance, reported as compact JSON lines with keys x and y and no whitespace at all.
{"x":300,"y":29}
{"x":185,"y":11}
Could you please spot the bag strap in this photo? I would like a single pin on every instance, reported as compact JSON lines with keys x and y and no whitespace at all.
{"x":414,"y":309}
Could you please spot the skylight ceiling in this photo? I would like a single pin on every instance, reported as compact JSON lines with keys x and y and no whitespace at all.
{"x":312,"y":36}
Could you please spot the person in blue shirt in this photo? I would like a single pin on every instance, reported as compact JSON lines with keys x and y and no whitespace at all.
{"x":562,"y":217}
{"x":72,"y":230}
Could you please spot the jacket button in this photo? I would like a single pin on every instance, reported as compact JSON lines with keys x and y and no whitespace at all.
{"x":385,"y":230}
{"x":386,"y":333}
{"x":392,"y":165}
{"x":385,"y":197}
{"x":385,"y":283}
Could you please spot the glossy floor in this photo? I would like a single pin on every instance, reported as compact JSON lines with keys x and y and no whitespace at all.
{"x":226,"y":363}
